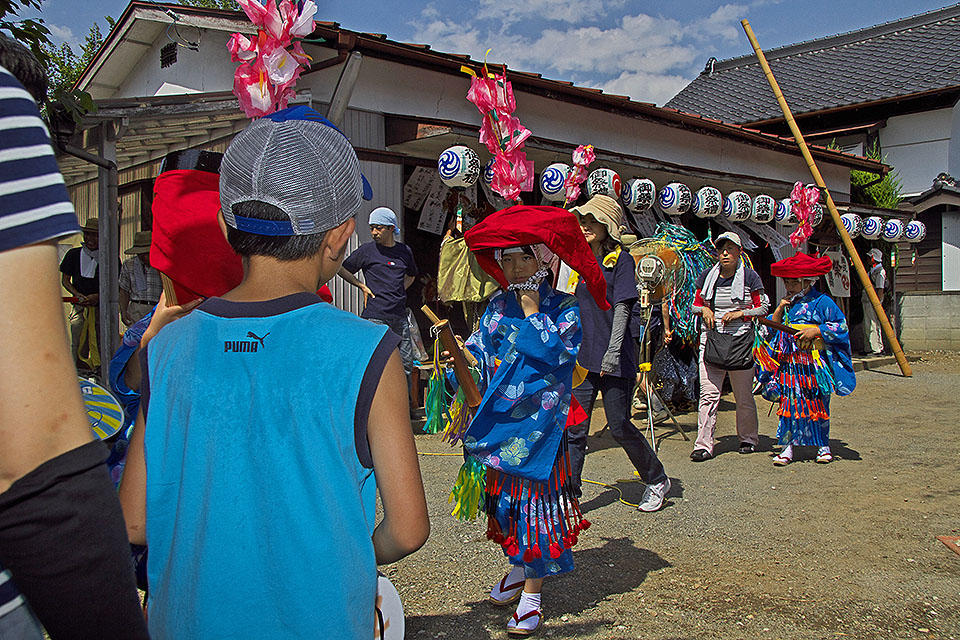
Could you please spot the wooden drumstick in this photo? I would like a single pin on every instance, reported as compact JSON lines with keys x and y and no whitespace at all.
{"x":435,"y":319}
{"x":460,"y":368}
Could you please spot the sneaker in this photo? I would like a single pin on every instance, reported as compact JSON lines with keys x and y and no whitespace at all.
{"x":653,"y":496}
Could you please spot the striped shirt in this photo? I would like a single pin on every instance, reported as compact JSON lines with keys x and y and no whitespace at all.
{"x":34,"y":205}
{"x":722,"y":302}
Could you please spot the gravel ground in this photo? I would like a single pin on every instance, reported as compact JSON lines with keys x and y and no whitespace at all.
{"x":742,"y":549}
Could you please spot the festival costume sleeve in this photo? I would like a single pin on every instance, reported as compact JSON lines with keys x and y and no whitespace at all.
{"x":835,"y":333}
{"x":63,"y":538}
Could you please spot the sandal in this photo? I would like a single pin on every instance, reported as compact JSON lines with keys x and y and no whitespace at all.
{"x":517,"y":630}
{"x":510,"y":592}
{"x":824,"y":458}
{"x":781,"y":460}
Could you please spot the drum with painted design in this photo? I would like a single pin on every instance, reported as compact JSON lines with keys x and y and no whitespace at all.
{"x":103,"y":410}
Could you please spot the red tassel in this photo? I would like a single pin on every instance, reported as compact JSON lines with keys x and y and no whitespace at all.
{"x":528,"y":555}
{"x":498,"y":538}
{"x":567,"y":543}
{"x":513,"y":549}
{"x":555,"y":550}
{"x":536,"y":552}
{"x":584,"y":524}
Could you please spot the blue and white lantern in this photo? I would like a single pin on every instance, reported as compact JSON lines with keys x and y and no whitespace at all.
{"x":817,"y":215}
{"x":675,"y":199}
{"x":893,"y":230}
{"x":552,"y":180}
{"x":638,"y":194}
{"x":459,"y":167}
{"x":707,"y":203}
{"x":915,"y":231}
{"x":604,"y":182}
{"x":737,"y":206}
{"x":872,"y":227}
{"x":487,"y":174}
{"x":853,"y":224}
{"x":784,"y":214}
{"x":764,"y":209}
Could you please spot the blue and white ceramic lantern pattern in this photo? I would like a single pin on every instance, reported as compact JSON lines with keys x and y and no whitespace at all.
{"x":893,"y":230}
{"x":737,"y":206}
{"x":638,"y":194}
{"x":675,"y":199}
{"x":459,"y":167}
{"x":764,"y":209}
{"x":853,"y":224}
{"x":872,"y":227}
{"x":915,"y":231}
{"x":707,"y":203}
{"x":552,"y":180}
{"x":604,"y":182}
{"x":784,"y":211}
{"x":488,"y":172}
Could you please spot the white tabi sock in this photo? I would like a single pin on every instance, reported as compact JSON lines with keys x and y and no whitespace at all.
{"x":787,"y":451}
{"x":528,"y":602}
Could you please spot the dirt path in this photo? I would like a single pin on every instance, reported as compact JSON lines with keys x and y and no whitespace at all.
{"x":743,"y":549}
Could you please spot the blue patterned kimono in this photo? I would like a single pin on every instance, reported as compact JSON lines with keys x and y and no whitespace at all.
{"x":526,"y":370}
{"x":804,"y":380}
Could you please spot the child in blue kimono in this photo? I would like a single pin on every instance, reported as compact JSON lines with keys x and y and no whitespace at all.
{"x":803,"y":369}
{"x":527,"y":347}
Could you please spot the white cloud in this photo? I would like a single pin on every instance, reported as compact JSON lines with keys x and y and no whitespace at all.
{"x":63,"y":33}
{"x":646,"y":87}
{"x":509,"y":13}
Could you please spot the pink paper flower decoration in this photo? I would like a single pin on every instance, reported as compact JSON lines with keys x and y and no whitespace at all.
{"x":803,"y":200}
{"x":583,"y":156}
{"x":271,"y":63}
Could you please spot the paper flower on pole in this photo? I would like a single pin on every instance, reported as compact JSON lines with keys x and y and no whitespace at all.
{"x":583,"y":156}
{"x":803,"y":200}
{"x":501,"y":132}
{"x":271,"y":62}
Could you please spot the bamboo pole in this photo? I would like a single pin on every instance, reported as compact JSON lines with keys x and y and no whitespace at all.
{"x":831,"y":207}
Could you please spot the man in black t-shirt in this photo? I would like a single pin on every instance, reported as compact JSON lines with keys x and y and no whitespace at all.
{"x":81,"y":277}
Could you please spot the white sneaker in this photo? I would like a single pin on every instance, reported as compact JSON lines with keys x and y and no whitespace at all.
{"x":653,"y":496}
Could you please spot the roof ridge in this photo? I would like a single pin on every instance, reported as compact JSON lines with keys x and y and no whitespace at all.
{"x":844,"y":38}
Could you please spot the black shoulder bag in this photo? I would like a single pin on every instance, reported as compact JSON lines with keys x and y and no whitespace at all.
{"x":729,"y":351}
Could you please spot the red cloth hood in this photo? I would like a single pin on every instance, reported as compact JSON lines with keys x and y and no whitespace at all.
{"x":802,"y":266}
{"x":188,"y":245}
{"x":521,"y":225}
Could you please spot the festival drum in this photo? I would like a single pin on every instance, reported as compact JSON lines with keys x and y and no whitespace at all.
{"x":605,"y":182}
{"x":638,"y":194}
{"x":707,"y":203}
{"x":893,"y":230}
{"x":764,"y":209}
{"x":818,"y":343}
{"x":872,"y":227}
{"x":915,"y":231}
{"x":737,"y":206}
{"x":459,"y":167}
{"x":103,"y":410}
{"x":388,"y":623}
{"x":853,"y":224}
{"x":552,"y":181}
{"x":784,"y":214}
{"x":675,"y":199}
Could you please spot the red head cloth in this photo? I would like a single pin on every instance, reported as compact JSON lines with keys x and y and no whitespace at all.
{"x":801,"y":266}
{"x":522,"y":225}
{"x":188,"y":245}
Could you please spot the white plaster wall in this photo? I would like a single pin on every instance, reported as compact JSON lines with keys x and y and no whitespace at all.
{"x":209,"y":69}
{"x":951,"y":250}
{"x":918,"y":146}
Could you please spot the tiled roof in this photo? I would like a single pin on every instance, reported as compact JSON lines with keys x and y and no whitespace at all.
{"x":905,"y":57}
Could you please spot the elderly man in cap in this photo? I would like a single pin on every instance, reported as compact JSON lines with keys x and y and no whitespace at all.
{"x":873,"y":339}
{"x":140,"y":284}
{"x":80,"y":269}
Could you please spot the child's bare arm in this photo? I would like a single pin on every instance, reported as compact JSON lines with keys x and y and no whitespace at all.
{"x":405,"y":525}
{"x":133,"y":486}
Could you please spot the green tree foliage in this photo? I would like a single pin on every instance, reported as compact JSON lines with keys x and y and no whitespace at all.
{"x":228,"y":5}
{"x":868,"y":189}
{"x":64,"y":68}
{"x":31,"y":32}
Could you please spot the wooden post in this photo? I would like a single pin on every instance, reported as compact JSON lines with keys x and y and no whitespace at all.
{"x":831,"y":207}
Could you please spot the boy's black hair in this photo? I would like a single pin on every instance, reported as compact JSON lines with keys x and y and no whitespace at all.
{"x":20,"y":61}
{"x":286,"y":248}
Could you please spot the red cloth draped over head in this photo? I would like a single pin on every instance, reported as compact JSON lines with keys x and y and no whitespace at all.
{"x":522,"y":225}
{"x":801,"y":266}
{"x":188,"y":245}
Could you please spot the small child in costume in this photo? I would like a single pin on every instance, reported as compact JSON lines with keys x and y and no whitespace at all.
{"x":527,"y":348}
{"x":802,"y":370}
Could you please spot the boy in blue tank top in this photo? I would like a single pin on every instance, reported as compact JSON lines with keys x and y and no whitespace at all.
{"x":268,"y":419}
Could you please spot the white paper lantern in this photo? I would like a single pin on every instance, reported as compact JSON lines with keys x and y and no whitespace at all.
{"x":552,"y":180}
{"x":764,"y":209}
{"x":487,"y":174}
{"x":605,"y":182}
{"x":872,"y":227}
{"x":915,"y":231}
{"x":853,"y":224}
{"x":817,"y":215}
{"x":893,"y":230}
{"x":459,"y":167}
{"x":638,"y":194}
{"x":784,"y":214}
{"x":707,"y":203}
{"x":675,"y":199}
{"x":737,"y":206}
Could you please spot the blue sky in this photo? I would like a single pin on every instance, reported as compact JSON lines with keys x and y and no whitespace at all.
{"x":647,"y":50}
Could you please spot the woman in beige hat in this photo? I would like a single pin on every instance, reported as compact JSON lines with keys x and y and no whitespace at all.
{"x":609,"y":352}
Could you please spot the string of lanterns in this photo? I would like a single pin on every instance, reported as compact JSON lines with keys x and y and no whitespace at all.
{"x":459,"y":167}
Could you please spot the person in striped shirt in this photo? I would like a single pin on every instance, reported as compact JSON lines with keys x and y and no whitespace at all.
{"x":728,"y":297}
{"x":62,"y":536}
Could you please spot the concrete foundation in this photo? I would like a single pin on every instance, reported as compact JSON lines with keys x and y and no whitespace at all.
{"x":930,"y":321}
